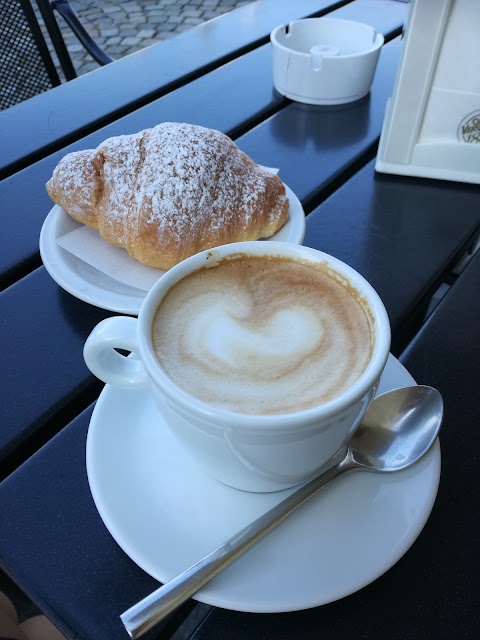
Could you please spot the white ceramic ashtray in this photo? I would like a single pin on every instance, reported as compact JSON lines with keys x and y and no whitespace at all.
{"x":324,"y":61}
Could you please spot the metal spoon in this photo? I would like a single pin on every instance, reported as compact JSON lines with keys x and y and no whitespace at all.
{"x":397,"y":430}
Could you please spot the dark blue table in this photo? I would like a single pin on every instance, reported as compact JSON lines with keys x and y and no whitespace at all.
{"x":412,"y":239}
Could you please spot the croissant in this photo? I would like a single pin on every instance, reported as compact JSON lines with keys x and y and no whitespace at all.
{"x":166,"y":193}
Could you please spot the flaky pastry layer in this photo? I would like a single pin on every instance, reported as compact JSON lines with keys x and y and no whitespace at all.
{"x":166,"y":193}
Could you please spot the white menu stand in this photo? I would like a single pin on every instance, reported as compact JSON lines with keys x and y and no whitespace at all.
{"x":432,"y":121}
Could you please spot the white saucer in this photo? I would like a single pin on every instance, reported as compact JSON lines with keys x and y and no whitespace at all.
{"x":166,"y":514}
{"x":95,"y":287}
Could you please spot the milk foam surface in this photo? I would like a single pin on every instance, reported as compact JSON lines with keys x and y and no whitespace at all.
{"x":262,"y":335}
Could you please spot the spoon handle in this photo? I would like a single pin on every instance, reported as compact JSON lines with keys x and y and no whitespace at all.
{"x":148,"y":612}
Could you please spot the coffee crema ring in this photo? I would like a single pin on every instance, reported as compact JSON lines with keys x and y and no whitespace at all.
{"x":263,"y":335}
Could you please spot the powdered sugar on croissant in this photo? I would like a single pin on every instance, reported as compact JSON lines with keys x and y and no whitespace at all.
{"x":169,"y":192}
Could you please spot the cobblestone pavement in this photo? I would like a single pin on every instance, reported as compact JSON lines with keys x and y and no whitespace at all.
{"x":121,"y":28}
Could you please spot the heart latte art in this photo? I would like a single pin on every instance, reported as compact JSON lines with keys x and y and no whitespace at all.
{"x":263,"y":335}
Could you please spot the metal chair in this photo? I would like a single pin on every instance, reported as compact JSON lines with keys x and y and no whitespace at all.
{"x":26,"y":64}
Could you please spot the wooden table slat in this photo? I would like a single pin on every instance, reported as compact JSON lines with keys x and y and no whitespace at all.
{"x":232,"y":102}
{"x":80,"y":578}
{"x":231,"y":106}
{"x":43,"y":333}
{"x":52,"y":117}
{"x":313,"y":146}
{"x":404,"y":235}
{"x":446,"y":354}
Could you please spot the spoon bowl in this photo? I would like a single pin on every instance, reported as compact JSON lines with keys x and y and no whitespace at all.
{"x":398,"y":429}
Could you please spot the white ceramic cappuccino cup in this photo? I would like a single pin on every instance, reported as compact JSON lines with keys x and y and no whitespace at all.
{"x":253,"y":452}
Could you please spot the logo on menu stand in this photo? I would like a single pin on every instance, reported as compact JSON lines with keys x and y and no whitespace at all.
{"x":469,"y":128}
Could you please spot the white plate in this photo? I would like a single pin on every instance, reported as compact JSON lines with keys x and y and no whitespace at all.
{"x":166,"y":514}
{"x":91,"y":285}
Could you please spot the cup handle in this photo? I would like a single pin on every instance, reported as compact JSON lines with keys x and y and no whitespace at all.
{"x":109,"y":365}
